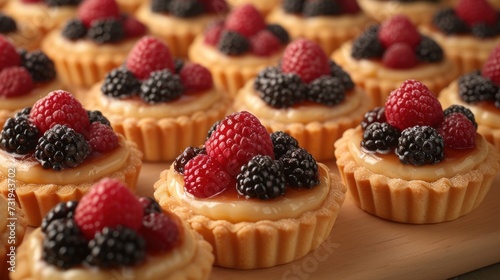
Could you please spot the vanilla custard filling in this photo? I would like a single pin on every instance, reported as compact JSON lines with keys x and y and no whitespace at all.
{"x":249,"y":100}
{"x":29,"y":171}
{"x":27,"y":100}
{"x":390,"y":166}
{"x":239,"y":209}
{"x":335,"y":22}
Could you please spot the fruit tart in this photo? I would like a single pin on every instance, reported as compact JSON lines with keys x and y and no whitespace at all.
{"x":112,"y":234}
{"x":411,"y":162}
{"x":129,"y":6}
{"x":264,"y":6}
{"x":235,"y":51}
{"x":59,"y":150}
{"x":385,"y":55}
{"x":327,"y":22}
{"x":178,"y":22}
{"x":260,"y":199}
{"x":163,"y":105}
{"x":307,"y":96}
{"x":25,"y":77}
{"x":419,"y":11}
{"x":22,"y":34}
{"x":12,"y":229}
{"x":93,"y":43}
{"x":468,"y":32}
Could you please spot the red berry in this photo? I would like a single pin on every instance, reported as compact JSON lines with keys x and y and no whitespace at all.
{"x":90,"y":10}
{"x":237,"y":139}
{"x":15,"y":81}
{"x":491,"y":68}
{"x":109,"y":203}
{"x":399,"y":56}
{"x":349,"y":6}
{"x":195,"y":77}
{"x":59,"y":107}
{"x":160,"y":231}
{"x":215,"y":6}
{"x":148,"y":55}
{"x":458,"y":132}
{"x":213,"y":32}
{"x":306,"y":59}
{"x":205,"y":177}
{"x":149,"y":205}
{"x":476,"y":11}
{"x":133,"y":28}
{"x":413,"y":104}
{"x":264,"y":43}
{"x":398,"y":29}
{"x":102,"y":138}
{"x":8,"y":54}
{"x":246,"y":20}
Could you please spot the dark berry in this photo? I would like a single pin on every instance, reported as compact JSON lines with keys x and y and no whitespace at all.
{"x":19,"y":135}
{"x":448,"y":22}
{"x":338,"y":72}
{"x":74,"y":30}
{"x":326,"y":90}
{"x":185,"y":8}
{"x":278,"y":89}
{"x":293,"y":6}
{"x":377,"y":114}
{"x":300,"y":169}
{"x":212,"y":129}
{"x":188,"y":154}
{"x":279,"y":32}
{"x":262,"y":178}
{"x":40,"y":66}
{"x":61,"y":147}
{"x":419,"y":145}
{"x":58,"y":3}
{"x":233,"y":43}
{"x":367,"y":45}
{"x":149,"y":205}
{"x":24,"y":112}
{"x":178,"y":64}
{"x":106,"y":31}
{"x":473,"y":87}
{"x":97,"y":116}
{"x":380,"y":137}
{"x":282,"y":143}
{"x":314,"y":8}
{"x":63,"y":210}
{"x":7,"y":24}
{"x":428,"y":50}
{"x":483,"y":30}
{"x":161,"y":86}
{"x":120,"y":83}
{"x":462,"y":110}
{"x":160,"y":6}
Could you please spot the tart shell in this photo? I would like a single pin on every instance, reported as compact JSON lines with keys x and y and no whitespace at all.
{"x":418,"y":12}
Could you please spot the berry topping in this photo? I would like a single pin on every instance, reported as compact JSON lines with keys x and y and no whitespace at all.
{"x":132,"y":27}
{"x":91,"y":10}
{"x":149,"y":205}
{"x":186,"y":8}
{"x":398,"y":29}
{"x":399,"y":56}
{"x":120,"y":83}
{"x":262,"y":178}
{"x":458,"y":132}
{"x":476,"y":11}
{"x":326,"y":90}
{"x":213,"y":33}
{"x":195,"y":77}
{"x":59,"y":3}
{"x":24,"y":112}
{"x":473,"y":87}
{"x":160,"y":231}
{"x":282,"y":143}
{"x":102,"y":138}
{"x":300,"y":169}
{"x":160,"y":6}
{"x":104,"y":31}
{"x":19,"y":135}
{"x":97,"y":116}
{"x":278,"y":89}
{"x":380,"y":137}
{"x":306,"y":59}
{"x":447,"y":21}
{"x":188,"y":154}
{"x":178,"y":64}
{"x":109,"y":203}
{"x":204,"y":177}
{"x":491,"y":68}
{"x":233,"y":43}
{"x":7,"y":24}
{"x":377,"y":114}
{"x":40,"y":66}
{"x":246,"y":20}
{"x":313,"y":8}
{"x":413,"y":104}
{"x":161,"y":86}
{"x":59,"y":107}
{"x":419,"y":145}
{"x":462,"y":110}
{"x":349,"y":6}
{"x":63,"y":210}
{"x":74,"y":29}
{"x":367,"y":45}
{"x":8,"y":54}
{"x":237,"y":139}
{"x":148,"y":55}
{"x":428,"y":50}
{"x":264,"y":43}
{"x":279,"y":32}
{"x":211,"y":130}
{"x":216,"y":6}
{"x":15,"y":81}
{"x":293,"y":6}
{"x":337,"y":72}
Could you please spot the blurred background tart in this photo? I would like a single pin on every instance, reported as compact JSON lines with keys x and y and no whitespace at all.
{"x":22,"y":34}
{"x":418,"y":11}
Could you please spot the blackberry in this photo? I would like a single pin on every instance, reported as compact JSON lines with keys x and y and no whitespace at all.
{"x":497,"y":99}
{"x":300,"y":169}
{"x":372,"y":30}
{"x":22,"y":54}
{"x":160,"y":6}
{"x":367,"y":45}
{"x":338,"y":72}
{"x":462,"y":110}
{"x":40,"y":66}
{"x":473,"y":87}
{"x":233,"y":43}
{"x":448,"y":22}
{"x":314,"y":8}
{"x":161,"y":86}
{"x":188,"y":154}
{"x":64,"y":245}
{"x":58,"y":3}
{"x":7,"y":24}
{"x":63,"y":210}
{"x":278,"y":89}
{"x":61,"y":147}
{"x":483,"y":30}
{"x":150,"y":205}
{"x":262,"y":177}
{"x":120,"y":83}
{"x":186,"y":8}
{"x":279,"y":32}
{"x":282,"y":143}
{"x":97,"y":116}
{"x":377,"y":114}
{"x":428,"y":50}
{"x":24,"y":112}
{"x":212,"y":129}
{"x":178,"y":64}
{"x":326,"y":90}
{"x":74,"y":30}
{"x":113,"y":247}
{"x":106,"y":31}
{"x":19,"y":135}
{"x":419,"y":145}
{"x":380,"y":137}
{"x":293,"y":6}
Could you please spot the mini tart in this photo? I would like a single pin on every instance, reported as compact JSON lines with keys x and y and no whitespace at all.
{"x":25,"y":37}
{"x":230,"y":73}
{"x":264,"y":6}
{"x":38,"y":190}
{"x":162,"y":130}
{"x":245,"y":239}
{"x":384,"y":187}
{"x":191,"y":260}
{"x":7,"y":206}
{"x":315,"y":126}
{"x":378,"y":81}
{"x":129,"y":6}
{"x":327,"y":31}
{"x":417,"y":11}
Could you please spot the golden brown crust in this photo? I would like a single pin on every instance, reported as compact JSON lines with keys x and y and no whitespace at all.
{"x":263,"y":6}
{"x":129,"y":6}
{"x":419,"y":12}
{"x":20,"y":229}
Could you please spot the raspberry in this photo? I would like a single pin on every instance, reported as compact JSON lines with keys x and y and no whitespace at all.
{"x":148,"y":55}
{"x":349,"y":6}
{"x":120,"y":83}
{"x":377,"y":114}
{"x":462,"y":110}
{"x":246,"y":20}
{"x":161,"y":232}
{"x":282,"y":143}
{"x":186,"y":8}
{"x":306,"y":59}
{"x":195,"y":77}
{"x":213,"y":33}
{"x":326,"y":90}
{"x":398,"y":29}
{"x":188,"y":154}
{"x":293,"y":6}
{"x":280,"y":33}
{"x":15,"y":81}
{"x":300,"y":169}
{"x":264,"y":43}
{"x":102,"y":138}
{"x":19,"y":135}
{"x":8,"y":54}
{"x":132,"y":27}
{"x":40,"y":66}
{"x":149,"y":205}
{"x":7,"y":24}
{"x":428,"y":50}
{"x":74,"y":30}
{"x":109,"y":203}
{"x":216,"y":6}
{"x":313,"y":8}
{"x":161,"y":86}
{"x":472,"y":88}
{"x":399,"y":56}
{"x":447,"y":21}
{"x":238,"y":138}
{"x":262,"y":177}
{"x":278,"y":89}
{"x":211,"y":130}
{"x":91,"y":10}
{"x":204,"y":177}
{"x":458,"y":132}
{"x":419,"y":145}
{"x":59,"y":107}
{"x":491,"y":68}
{"x":63,"y":210}
{"x":367,"y":45}
{"x":233,"y":43}
{"x":413,"y":104}
{"x":476,"y":11}
{"x":380,"y":137}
